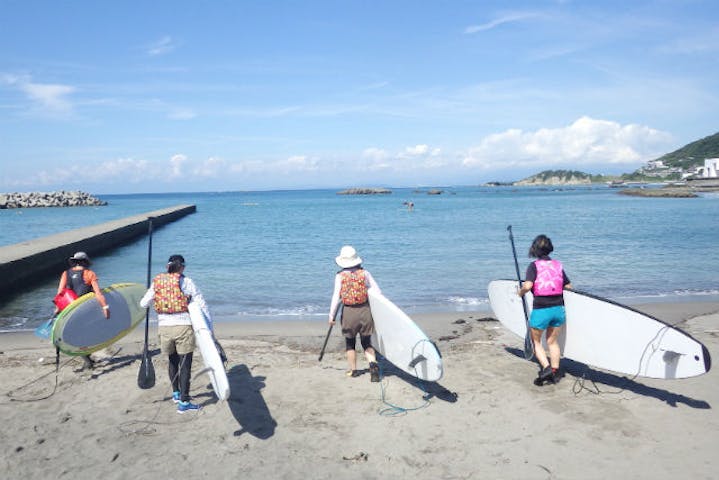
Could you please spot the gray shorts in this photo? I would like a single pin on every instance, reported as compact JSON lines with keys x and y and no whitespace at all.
{"x":178,"y":339}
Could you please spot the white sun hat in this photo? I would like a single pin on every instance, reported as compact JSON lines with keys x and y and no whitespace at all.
{"x":348,"y":257}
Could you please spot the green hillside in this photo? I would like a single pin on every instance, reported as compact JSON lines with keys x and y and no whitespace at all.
{"x":562,"y":177}
{"x":693,"y":154}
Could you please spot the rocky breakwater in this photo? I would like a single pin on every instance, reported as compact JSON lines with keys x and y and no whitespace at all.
{"x":49,"y":199}
{"x":365,"y":191}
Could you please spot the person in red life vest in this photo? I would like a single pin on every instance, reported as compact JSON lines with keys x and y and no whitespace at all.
{"x":546,"y":279}
{"x":351,"y":285}
{"x":170,"y":294}
{"x":81,"y":280}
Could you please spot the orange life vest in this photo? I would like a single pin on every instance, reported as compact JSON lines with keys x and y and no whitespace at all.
{"x":354,"y":287}
{"x":168,"y":294}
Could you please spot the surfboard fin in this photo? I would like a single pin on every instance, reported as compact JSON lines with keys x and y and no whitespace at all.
{"x":670,"y":356}
{"x":416,"y":360}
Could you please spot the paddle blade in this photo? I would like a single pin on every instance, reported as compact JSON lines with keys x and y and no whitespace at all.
{"x":146,"y":375}
{"x":44,"y":330}
{"x":528,"y":347}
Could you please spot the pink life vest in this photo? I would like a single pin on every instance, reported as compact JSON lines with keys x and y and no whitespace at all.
{"x":550,"y":278}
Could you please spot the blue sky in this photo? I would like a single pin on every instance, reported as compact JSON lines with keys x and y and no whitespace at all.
{"x":123,"y":97}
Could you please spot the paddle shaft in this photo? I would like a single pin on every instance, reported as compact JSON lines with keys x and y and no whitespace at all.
{"x":528,"y":345}
{"x":146,"y":375}
{"x":329,"y":330}
{"x":149,"y":277}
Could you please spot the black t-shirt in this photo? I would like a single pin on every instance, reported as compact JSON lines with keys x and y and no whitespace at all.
{"x":548,"y":300}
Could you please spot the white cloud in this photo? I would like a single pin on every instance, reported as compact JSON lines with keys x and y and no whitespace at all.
{"x":176,"y":165}
{"x":416,"y":150}
{"x":376,"y":154}
{"x":51,"y":98}
{"x":587,"y":141}
{"x":212,"y":167}
{"x":510,"y":18}
{"x":181,"y":114}
{"x":161,"y":47}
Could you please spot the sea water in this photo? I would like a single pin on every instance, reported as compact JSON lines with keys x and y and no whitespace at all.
{"x":270,"y":255}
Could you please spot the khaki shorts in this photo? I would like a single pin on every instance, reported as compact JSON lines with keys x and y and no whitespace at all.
{"x":357,"y":319}
{"x":177,"y":339}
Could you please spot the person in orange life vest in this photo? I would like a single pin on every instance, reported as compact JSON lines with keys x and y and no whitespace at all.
{"x":546,"y":279}
{"x":351,"y":285}
{"x":170,"y":294}
{"x":80,"y":279}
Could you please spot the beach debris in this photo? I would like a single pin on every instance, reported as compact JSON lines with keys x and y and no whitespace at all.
{"x":360,"y":457}
{"x":446,"y":338}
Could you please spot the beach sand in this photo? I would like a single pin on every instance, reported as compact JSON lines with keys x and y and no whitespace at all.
{"x":293,"y":417}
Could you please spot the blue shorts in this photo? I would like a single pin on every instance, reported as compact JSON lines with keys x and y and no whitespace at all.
{"x":542,"y":318}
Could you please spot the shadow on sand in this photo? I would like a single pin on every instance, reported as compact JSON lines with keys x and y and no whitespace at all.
{"x":431,"y":389}
{"x":584,"y":373}
{"x":115,"y":362}
{"x":247,"y":404}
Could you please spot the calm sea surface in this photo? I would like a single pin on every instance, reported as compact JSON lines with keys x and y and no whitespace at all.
{"x":270,"y":255}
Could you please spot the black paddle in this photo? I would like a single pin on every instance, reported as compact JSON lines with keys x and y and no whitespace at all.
{"x":528,"y":344}
{"x":146,"y":375}
{"x":322,"y":353}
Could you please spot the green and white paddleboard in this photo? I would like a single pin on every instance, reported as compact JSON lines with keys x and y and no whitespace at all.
{"x":81,"y":328}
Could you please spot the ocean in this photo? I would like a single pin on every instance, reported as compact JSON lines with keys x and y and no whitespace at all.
{"x":270,"y":255}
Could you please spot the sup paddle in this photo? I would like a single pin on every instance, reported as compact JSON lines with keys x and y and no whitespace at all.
{"x":146,"y":375}
{"x":528,"y":344}
{"x":322,"y":353}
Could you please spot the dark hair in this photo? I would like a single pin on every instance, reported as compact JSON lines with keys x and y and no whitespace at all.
{"x":541,"y":246}
{"x":175,"y":263}
{"x":82,"y":262}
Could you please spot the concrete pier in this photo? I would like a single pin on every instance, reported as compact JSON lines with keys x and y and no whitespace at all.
{"x":25,"y":262}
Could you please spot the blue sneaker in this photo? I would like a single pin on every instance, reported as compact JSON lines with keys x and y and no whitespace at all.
{"x":176,"y":397}
{"x":183,"y":407}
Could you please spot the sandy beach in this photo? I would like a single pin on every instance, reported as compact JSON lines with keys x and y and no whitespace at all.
{"x":290,"y":416}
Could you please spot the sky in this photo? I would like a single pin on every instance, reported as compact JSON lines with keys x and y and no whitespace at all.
{"x":172,"y":96}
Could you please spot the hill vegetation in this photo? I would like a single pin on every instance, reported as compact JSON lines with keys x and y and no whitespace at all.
{"x":693,"y":154}
{"x":563,"y":177}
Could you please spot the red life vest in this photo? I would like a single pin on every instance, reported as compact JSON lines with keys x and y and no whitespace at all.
{"x":354,"y":287}
{"x":168,"y":294}
{"x":64,"y":298}
{"x":550,"y":278}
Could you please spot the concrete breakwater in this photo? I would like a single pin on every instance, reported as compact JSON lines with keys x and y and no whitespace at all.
{"x":33,"y":260}
{"x":49,"y":199}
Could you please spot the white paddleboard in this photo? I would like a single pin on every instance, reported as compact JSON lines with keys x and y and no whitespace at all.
{"x":210,"y":356}
{"x":402,"y":342}
{"x":608,"y":335}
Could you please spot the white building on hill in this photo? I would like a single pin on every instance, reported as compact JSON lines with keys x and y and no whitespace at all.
{"x":711,"y":166}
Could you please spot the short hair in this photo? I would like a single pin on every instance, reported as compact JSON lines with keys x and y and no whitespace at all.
{"x":175,"y":263}
{"x":82,"y":262}
{"x":541,"y":246}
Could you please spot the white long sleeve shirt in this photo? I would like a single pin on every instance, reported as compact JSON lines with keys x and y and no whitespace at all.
{"x":189,"y":288}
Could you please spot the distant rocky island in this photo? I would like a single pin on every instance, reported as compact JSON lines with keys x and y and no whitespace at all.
{"x":561,"y":177}
{"x":49,"y":199}
{"x":365,"y":191}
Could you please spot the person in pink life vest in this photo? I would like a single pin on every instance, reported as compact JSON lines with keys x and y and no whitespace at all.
{"x":351,"y":285}
{"x":546,"y":279}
